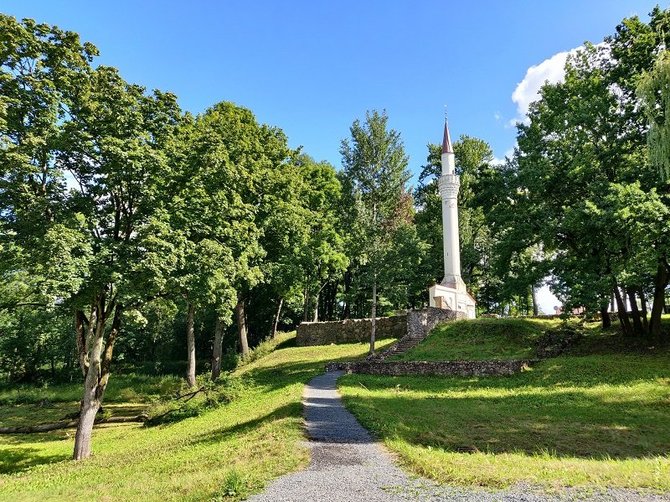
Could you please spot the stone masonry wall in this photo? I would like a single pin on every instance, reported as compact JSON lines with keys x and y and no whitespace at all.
{"x":421,"y":322}
{"x":417,"y":323}
{"x":350,"y":330}
{"x":433,"y":368}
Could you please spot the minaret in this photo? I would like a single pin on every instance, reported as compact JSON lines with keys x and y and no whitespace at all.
{"x":451,"y":293}
{"x":449,"y":184}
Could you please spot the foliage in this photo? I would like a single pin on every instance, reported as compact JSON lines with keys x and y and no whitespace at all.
{"x":375,"y":170}
{"x":580,"y":190}
{"x":654,"y":89}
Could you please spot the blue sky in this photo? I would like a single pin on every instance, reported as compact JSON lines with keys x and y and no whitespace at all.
{"x":312,"y":67}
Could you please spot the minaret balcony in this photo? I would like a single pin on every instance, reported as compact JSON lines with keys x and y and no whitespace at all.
{"x":449,"y":185}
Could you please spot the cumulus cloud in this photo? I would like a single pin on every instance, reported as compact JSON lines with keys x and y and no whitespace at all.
{"x":508,"y":154}
{"x":550,"y":70}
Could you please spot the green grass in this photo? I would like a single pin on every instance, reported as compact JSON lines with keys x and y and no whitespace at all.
{"x":595,"y":417}
{"x":126,"y":395}
{"x":225,"y":453}
{"x":480,"y":339}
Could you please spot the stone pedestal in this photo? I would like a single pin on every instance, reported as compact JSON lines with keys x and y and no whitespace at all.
{"x":452,"y":295}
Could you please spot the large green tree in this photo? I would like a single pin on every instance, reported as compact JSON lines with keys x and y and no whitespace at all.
{"x":65,"y":121}
{"x":375,"y":165}
{"x":654,"y":90}
{"x":582,"y":187}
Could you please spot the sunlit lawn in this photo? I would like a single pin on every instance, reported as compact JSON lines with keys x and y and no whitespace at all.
{"x":228,"y":452}
{"x":589,"y":420}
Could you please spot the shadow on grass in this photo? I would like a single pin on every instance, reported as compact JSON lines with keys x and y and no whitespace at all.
{"x":17,"y":460}
{"x":292,"y":410}
{"x":568,"y":407}
{"x":585,"y":428}
{"x":267,"y":379}
{"x":287,"y":344}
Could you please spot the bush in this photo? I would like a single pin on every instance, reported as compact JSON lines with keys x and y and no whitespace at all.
{"x":206,"y":396}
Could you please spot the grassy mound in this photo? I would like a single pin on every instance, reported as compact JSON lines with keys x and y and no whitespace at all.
{"x":224,"y":453}
{"x":583,"y":419}
{"x":479,"y":340}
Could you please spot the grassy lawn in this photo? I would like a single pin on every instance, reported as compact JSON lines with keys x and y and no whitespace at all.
{"x":480,"y":339}
{"x":126,"y":395}
{"x":228,"y":452}
{"x":593,"y":418}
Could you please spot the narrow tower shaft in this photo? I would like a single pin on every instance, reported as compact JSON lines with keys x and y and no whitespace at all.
{"x":449,"y":184}
{"x":452,"y":293}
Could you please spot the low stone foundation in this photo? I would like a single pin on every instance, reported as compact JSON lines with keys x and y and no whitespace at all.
{"x":432,"y":368}
{"x":350,"y":330}
{"x":554,"y":342}
{"x":421,"y":322}
{"x":415,"y":324}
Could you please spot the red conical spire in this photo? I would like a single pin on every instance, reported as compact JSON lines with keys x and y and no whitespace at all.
{"x":446,"y":140}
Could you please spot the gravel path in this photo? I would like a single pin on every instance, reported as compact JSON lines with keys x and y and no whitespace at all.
{"x":349,"y":465}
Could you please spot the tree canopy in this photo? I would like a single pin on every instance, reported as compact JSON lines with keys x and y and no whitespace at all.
{"x":135,"y":232}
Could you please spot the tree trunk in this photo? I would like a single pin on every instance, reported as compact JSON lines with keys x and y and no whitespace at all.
{"x":605,"y":317}
{"x":190,"y":346}
{"x":315,"y":315}
{"x":217,"y":350}
{"x":276,"y":319}
{"x":533,"y":295}
{"x":660,"y":283}
{"x":635,"y":312}
{"x":346,"y":311}
{"x":305,"y":305}
{"x":643,"y":310}
{"x":97,"y":372}
{"x":332,"y":302}
{"x":80,"y":324}
{"x":374,"y":317}
{"x":240,"y":315}
{"x":82,"y":438}
{"x":623,"y":315}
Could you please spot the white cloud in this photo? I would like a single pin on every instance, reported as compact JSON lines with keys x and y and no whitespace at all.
{"x":550,"y":70}
{"x":508,"y":153}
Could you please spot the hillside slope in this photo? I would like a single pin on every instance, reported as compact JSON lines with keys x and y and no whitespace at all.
{"x":593,"y":418}
{"x":228,"y":452}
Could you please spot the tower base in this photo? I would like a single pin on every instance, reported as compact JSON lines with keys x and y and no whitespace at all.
{"x":452,"y":294}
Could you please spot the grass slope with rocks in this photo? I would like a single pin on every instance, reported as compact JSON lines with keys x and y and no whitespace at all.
{"x":480,"y":340}
{"x":226,"y":452}
{"x":592,"y":418}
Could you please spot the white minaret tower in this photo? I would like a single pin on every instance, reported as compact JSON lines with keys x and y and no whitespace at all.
{"x":451,"y":293}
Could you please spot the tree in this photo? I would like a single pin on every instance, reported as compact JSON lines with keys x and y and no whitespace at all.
{"x":654,"y":90}
{"x":304,"y":248}
{"x":86,"y":242}
{"x":115,"y":148}
{"x":375,"y":165}
{"x":249,"y":167}
{"x":582,"y":184}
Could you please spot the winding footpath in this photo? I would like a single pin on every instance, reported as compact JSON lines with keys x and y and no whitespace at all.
{"x":347,"y":464}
